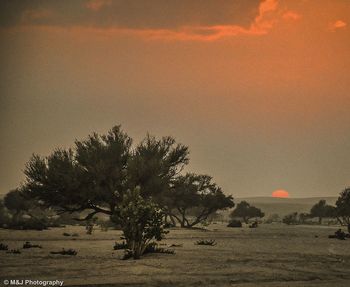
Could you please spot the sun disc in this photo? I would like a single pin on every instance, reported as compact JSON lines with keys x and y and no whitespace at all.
{"x":280,"y":193}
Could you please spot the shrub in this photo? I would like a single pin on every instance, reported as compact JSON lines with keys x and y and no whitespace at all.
{"x":14,"y":251}
{"x":234,"y":223}
{"x":3,"y":246}
{"x":291,"y":218}
{"x":29,"y":245}
{"x":154,"y":248}
{"x":176,"y":245}
{"x":65,"y":252}
{"x":27,"y":224}
{"x":169,"y":225}
{"x":118,"y":246}
{"x":141,"y":221}
{"x":210,"y":242}
{"x":151,"y":248}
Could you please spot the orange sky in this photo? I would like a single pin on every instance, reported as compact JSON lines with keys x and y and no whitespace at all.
{"x":258,"y":90}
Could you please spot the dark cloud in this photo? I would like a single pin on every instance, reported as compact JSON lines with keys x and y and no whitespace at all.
{"x":136,"y":14}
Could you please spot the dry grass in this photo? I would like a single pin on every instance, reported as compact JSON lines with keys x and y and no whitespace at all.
{"x":271,"y":255}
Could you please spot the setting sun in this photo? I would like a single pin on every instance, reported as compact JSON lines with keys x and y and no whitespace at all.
{"x":280,"y":193}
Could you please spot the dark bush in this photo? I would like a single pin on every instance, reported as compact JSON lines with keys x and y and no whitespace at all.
{"x":3,"y":246}
{"x":65,"y":252}
{"x":151,"y":248}
{"x":27,"y":224}
{"x":29,"y":245}
{"x":254,"y":225}
{"x":169,"y":225}
{"x":176,"y":245}
{"x":210,"y":242}
{"x":154,"y":248}
{"x":14,"y":251}
{"x":119,"y":246}
{"x":234,"y":223}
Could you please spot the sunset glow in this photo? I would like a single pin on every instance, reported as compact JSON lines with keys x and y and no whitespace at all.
{"x":280,"y":193}
{"x":258,"y":90}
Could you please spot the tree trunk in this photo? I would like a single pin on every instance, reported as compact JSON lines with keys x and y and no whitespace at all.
{"x":172,"y":219}
{"x":348,"y":227}
{"x":320,"y":220}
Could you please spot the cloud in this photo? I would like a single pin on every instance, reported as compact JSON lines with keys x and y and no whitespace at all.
{"x":204,"y":20}
{"x":339,"y":24}
{"x":96,"y":5}
{"x":291,"y":15}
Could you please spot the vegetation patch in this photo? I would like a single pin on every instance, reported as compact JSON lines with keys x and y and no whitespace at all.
{"x":3,"y":246}
{"x":14,"y":251}
{"x":234,"y":223}
{"x":121,"y":245}
{"x":65,"y":252}
{"x":210,"y":242}
{"x":27,"y":245}
{"x":151,"y":248}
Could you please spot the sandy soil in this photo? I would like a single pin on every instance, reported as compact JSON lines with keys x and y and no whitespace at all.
{"x":271,"y":255}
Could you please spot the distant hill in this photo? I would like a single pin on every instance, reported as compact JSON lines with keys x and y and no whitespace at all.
{"x":283,"y":206}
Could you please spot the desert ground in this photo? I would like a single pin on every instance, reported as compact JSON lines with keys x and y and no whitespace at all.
{"x":270,"y":255}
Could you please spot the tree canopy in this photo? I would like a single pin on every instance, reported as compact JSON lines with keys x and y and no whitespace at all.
{"x":194,"y":197}
{"x":246,"y":211}
{"x":343,"y":207}
{"x":98,"y":171}
{"x":322,"y":210}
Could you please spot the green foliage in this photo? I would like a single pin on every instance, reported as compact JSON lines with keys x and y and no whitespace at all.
{"x":3,"y":246}
{"x":118,"y":246}
{"x":14,"y":251}
{"x":343,"y":208}
{"x":4,"y":215}
{"x":90,"y":177}
{"x":291,"y":218}
{"x":234,"y":223}
{"x":196,"y":196}
{"x":210,"y":242}
{"x":101,"y":173}
{"x":28,"y":245}
{"x":322,"y":210}
{"x":70,"y":251}
{"x":273,"y":218}
{"x":141,"y":221}
{"x":246,"y":211}
{"x":154,"y":164}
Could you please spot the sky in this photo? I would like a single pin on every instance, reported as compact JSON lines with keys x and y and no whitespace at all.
{"x":258,"y":90}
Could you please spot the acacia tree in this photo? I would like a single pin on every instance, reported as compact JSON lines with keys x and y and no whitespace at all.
{"x":343,"y":207}
{"x":198,"y":197}
{"x":246,"y":211}
{"x":95,"y":175}
{"x":91,"y":177}
{"x":322,"y":210}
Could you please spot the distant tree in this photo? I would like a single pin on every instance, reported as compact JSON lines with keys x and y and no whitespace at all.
{"x":193,"y":198}
{"x":303,"y":217}
{"x":291,"y":218}
{"x":343,"y":207}
{"x":322,"y":210}
{"x":273,"y":218}
{"x":16,"y":203}
{"x":246,"y":211}
{"x":4,"y":214}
